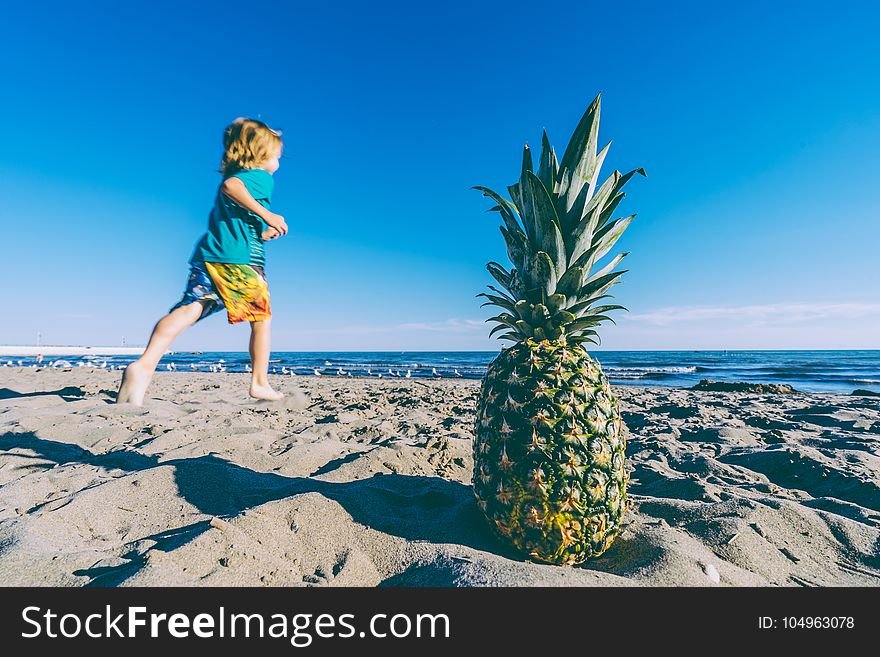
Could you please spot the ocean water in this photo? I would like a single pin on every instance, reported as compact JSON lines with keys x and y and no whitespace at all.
{"x":809,"y":371}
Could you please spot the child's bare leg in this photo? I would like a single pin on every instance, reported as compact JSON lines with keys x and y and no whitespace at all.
{"x":259,"y":348}
{"x":137,"y":376}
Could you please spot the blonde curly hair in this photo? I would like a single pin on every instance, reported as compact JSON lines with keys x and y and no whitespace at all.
{"x":247,"y":143}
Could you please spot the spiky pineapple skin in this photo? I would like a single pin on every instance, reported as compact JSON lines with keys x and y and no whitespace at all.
{"x":549,"y":452}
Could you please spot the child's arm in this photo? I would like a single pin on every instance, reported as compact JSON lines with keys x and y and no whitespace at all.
{"x":236,"y":190}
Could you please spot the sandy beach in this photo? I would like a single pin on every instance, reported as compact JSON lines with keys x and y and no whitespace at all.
{"x":357,"y":482}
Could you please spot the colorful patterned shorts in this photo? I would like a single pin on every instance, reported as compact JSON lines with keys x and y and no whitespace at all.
{"x":241,"y":289}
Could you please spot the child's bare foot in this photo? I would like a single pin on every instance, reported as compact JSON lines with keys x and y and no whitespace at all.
{"x":265,"y":392}
{"x":135,"y":381}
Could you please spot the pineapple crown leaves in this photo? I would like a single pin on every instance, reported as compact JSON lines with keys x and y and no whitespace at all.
{"x":557,"y":227}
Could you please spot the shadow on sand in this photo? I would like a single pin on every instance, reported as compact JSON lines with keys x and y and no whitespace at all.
{"x":415,"y":508}
{"x":69,"y":393}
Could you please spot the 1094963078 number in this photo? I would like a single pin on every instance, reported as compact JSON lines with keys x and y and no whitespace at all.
{"x":807,"y":622}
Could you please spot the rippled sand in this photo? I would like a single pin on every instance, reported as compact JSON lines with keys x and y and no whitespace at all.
{"x":366,"y":482}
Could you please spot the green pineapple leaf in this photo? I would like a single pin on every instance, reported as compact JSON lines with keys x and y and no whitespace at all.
{"x":548,"y":167}
{"x":524,"y":328}
{"x":582,"y":235}
{"x":501,"y":293}
{"x":495,"y":329}
{"x":501,"y":275}
{"x":540,"y":314}
{"x":564,"y":318}
{"x":572,"y":216}
{"x":602,"y":242}
{"x":536,"y":202}
{"x":541,"y":275}
{"x":585,"y":337}
{"x":602,"y":283}
{"x":580,"y":154}
{"x":517,"y":247}
{"x":497,"y":301}
{"x":584,"y":323}
{"x":606,"y":308}
{"x":607,"y":268}
{"x":510,"y":221}
{"x":583,"y":304}
{"x":607,"y":236}
{"x":504,"y":321}
{"x":527,"y":218}
{"x":555,"y":301}
{"x":600,"y":160}
{"x":570,"y":283}
{"x":527,"y":159}
{"x":621,"y":181}
{"x":598,"y":319}
{"x":505,"y":207}
{"x":610,"y":207}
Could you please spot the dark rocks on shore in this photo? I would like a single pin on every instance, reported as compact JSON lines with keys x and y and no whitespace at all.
{"x":739,"y":386}
{"x":865,"y":393}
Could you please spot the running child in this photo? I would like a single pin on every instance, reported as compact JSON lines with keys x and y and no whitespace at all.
{"x":227,"y":265}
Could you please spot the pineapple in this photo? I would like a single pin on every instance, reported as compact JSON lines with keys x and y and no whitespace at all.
{"x":549,"y":448}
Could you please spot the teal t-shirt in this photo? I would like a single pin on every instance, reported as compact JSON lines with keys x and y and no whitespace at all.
{"x":234,"y":233}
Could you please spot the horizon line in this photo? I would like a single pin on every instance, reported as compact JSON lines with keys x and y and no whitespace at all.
{"x":104,"y":350}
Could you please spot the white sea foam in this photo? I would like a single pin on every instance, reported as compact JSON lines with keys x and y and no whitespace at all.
{"x":621,"y":371}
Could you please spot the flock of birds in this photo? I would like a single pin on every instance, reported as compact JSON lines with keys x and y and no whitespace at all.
{"x":221,"y":366}
{"x":369,"y":372}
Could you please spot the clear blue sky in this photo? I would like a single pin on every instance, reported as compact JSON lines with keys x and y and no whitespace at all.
{"x":758,"y":124}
